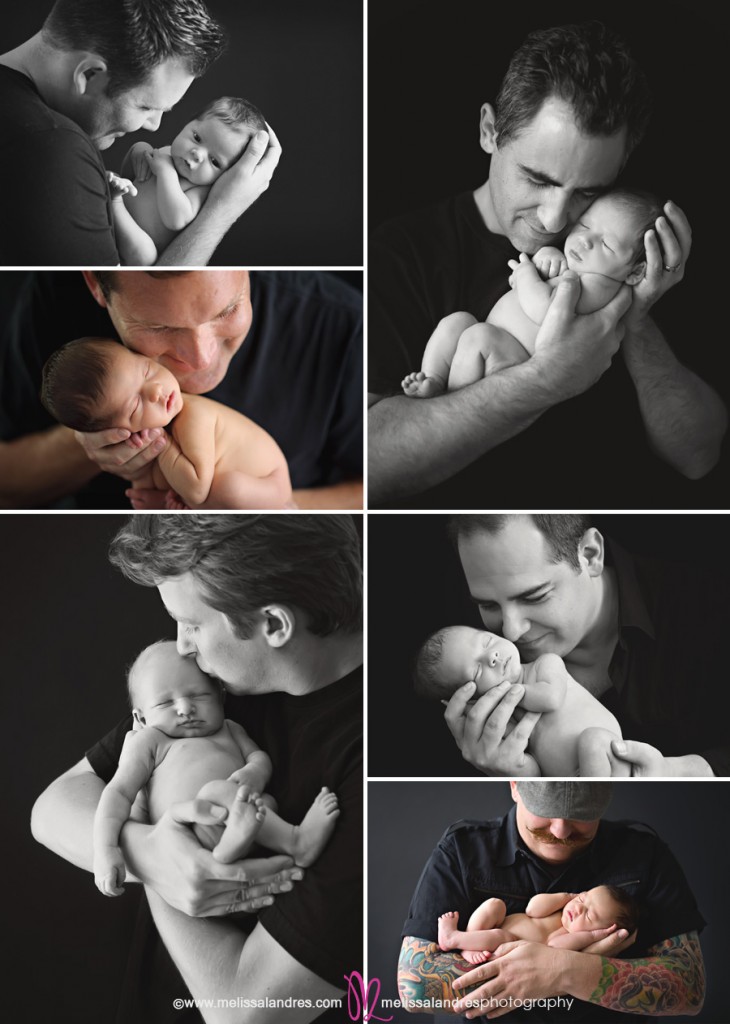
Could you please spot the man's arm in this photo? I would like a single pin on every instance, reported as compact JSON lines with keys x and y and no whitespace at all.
{"x":648,"y":762}
{"x":669,"y":981}
{"x":414,"y":445}
{"x":231,"y":195}
{"x":42,"y":467}
{"x":348,"y":494}
{"x":218,"y":962}
{"x":426,"y":974}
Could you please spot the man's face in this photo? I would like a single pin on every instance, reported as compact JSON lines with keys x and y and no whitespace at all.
{"x":207,"y":635}
{"x":191,"y":323}
{"x":556,"y":840}
{"x":542,"y":606}
{"x":106,"y":118}
{"x":541,"y":181}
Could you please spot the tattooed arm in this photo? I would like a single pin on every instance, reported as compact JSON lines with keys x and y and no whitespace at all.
{"x":425,"y":976}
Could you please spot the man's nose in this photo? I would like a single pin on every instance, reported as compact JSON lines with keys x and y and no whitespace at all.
{"x":152,"y":121}
{"x":198,"y":351}
{"x":184,"y":644}
{"x":553,"y":212}
{"x":560,"y":828}
{"x":514,"y":625}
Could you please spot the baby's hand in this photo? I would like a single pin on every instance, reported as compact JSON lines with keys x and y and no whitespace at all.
{"x":522,"y":270}
{"x":119,"y":186}
{"x":156,"y":160}
{"x":550,"y":262}
{"x":110,"y":871}
{"x":140,"y":163}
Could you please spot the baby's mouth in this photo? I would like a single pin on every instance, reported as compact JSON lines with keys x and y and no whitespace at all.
{"x":170,"y":400}
{"x":575,"y":255}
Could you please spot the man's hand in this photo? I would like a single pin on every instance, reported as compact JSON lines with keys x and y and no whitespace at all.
{"x":550,"y":262}
{"x":121,"y":453}
{"x":574,"y":351}
{"x":667,"y":251}
{"x":119,"y":186}
{"x":485,"y":734}
{"x":170,"y":860}
{"x":648,"y":762}
{"x":523,"y":970}
{"x":243,"y":183}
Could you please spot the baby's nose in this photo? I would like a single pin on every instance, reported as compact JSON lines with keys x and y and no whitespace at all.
{"x":184,"y":707}
{"x":493,"y":659}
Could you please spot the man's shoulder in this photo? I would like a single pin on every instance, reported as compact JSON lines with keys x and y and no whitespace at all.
{"x":24,"y":114}
{"x":442,"y":218}
{"x":307,"y":287}
{"x":469,"y":830}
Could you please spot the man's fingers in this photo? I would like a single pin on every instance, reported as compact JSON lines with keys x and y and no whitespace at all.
{"x":618,"y":306}
{"x":490,"y":714}
{"x":456,"y":709}
{"x":680,"y":226}
{"x":565,"y":298}
{"x":253,"y":153}
{"x":102,"y":438}
{"x":521,"y":733}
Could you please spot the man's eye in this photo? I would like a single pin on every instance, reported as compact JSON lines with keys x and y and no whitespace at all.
{"x":588,"y":195}
{"x":538,"y":184}
{"x":487,"y":606}
{"x":537,"y":598}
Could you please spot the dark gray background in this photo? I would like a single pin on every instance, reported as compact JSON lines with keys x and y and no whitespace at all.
{"x":407,"y":819}
{"x":416,"y":586}
{"x":301,"y":64}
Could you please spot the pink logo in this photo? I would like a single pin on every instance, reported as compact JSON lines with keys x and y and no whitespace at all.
{"x":359,"y":1004}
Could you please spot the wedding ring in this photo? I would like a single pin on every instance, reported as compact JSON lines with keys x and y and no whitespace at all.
{"x":670,"y":270}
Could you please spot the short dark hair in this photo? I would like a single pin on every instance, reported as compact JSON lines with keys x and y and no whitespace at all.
{"x":645,"y":207}
{"x":426,"y":679}
{"x":234,"y":112}
{"x":588,"y":66}
{"x":109,"y":279}
{"x":628,"y":917}
{"x":244,"y":562}
{"x":73,"y":383}
{"x":562,"y":532}
{"x":135,"y":36}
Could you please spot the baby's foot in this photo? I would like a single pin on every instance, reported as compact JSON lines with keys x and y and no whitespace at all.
{"x":311,"y":837}
{"x":447,"y":929}
{"x":418,"y":385}
{"x":174,"y":502}
{"x":245,"y":818}
{"x":475,"y":956}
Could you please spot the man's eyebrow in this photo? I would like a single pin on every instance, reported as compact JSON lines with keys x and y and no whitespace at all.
{"x":542,"y":177}
{"x":168,"y":327}
{"x":524,"y":595}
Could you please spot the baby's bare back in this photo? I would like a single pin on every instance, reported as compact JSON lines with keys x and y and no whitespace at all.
{"x":186,"y":766}
{"x":240,"y":444}
{"x":533,"y":929}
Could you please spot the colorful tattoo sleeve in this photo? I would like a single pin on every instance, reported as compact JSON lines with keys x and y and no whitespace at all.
{"x":426,"y":975}
{"x":669,"y":981}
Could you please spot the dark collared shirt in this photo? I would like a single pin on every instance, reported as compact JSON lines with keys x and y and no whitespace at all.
{"x":478,"y":859}
{"x":669,"y":670}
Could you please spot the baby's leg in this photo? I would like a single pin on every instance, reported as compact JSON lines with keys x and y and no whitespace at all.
{"x":303,"y":842}
{"x":437,"y":357}
{"x":236,"y":490}
{"x":232,"y":840}
{"x":449,"y":936}
{"x":595,"y":757}
{"x":483,"y":349}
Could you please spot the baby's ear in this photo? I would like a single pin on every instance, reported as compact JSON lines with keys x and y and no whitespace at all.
{"x":637,"y":274}
{"x":139,"y":722}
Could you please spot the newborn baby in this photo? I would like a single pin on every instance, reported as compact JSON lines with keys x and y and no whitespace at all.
{"x":605,"y":248}
{"x":185,"y":748}
{"x":573,"y":735}
{"x":563,"y":920}
{"x":171,"y":184}
{"x":214,"y":458}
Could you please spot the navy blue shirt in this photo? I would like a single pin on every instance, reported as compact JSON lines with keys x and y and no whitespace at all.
{"x":298,"y":373}
{"x":478,"y":859}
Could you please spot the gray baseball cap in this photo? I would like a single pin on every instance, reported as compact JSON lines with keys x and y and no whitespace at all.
{"x":574,"y":801}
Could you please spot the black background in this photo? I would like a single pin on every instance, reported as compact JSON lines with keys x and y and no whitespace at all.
{"x":416,"y":585}
{"x":406,"y":821}
{"x":301,"y":64}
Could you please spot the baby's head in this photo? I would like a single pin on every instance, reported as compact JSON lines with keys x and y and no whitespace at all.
{"x":453,"y":656}
{"x":172,"y":694}
{"x":95,"y":383}
{"x":609,"y":237}
{"x":599,"y":908}
{"x":212,"y":141}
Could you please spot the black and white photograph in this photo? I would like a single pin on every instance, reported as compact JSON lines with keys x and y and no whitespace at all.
{"x":521,"y":645}
{"x":545,"y":263}
{"x":568,"y":868}
{"x":182,"y":133}
{"x":188,"y":825}
{"x":193,"y":389}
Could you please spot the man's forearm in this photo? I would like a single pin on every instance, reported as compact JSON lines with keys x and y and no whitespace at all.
{"x":684,"y":417}
{"x":345,"y":495}
{"x":426,"y":976}
{"x":63,"y":817}
{"x":669,"y":982}
{"x":196,"y":243}
{"x":414,"y":443}
{"x":42,"y":467}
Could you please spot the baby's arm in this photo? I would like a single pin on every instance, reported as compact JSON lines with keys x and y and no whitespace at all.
{"x":188,"y":459}
{"x":548,"y":684}
{"x":546,"y":903}
{"x":135,"y":164}
{"x":534,"y":294}
{"x":177,"y":208}
{"x":577,"y":941}
{"x":136,"y":764}
{"x":134,"y":244}
{"x":256,"y":772}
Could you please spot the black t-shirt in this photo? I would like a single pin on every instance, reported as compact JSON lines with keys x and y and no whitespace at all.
{"x":298,"y":373}
{"x":590,"y":450}
{"x":313,"y":740}
{"x":56,"y":207}
{"x":478,"y":859}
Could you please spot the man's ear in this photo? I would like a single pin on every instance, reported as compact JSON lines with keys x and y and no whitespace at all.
{"x":637,"y":274}
{"x":591,"y":551}
{"x":279,"y":624}
{"x":139,"y":722}
{"x":90,"y":75}
{"x":487,"y":133}
{"x":94,"y":287}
